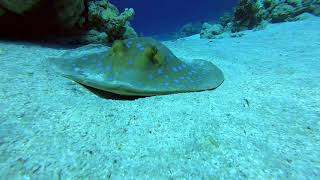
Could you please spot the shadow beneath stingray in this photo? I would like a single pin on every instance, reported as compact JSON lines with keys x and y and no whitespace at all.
{"x":109,"y":95}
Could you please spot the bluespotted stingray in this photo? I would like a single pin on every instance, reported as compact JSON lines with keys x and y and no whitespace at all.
{"x":137,"y":67}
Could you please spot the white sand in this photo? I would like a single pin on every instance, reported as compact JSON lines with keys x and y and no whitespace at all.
{"x":263,"y":122}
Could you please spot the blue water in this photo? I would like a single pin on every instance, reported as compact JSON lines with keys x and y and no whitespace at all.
{"x":167,"y":16}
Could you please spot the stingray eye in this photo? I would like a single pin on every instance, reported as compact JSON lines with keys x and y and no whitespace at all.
{"x":150,"y":52}
{"x":159,"y":58}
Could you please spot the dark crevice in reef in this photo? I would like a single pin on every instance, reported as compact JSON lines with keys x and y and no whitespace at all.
{"x":65,"y":22}
{"x":40,"y":25}
{"x":36,"y":25}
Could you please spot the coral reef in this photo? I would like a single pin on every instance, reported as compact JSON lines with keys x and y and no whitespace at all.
{"x":94,"y":36}
{"x":247,"y":15}
{"x":211,"y":31}
{"x":69,"y":13}
{"x":137,"y":67}
{"x":282,"y":13}
{"x":83,"y":20}
{"x":256,"y":14}
{"x":65,"y":14}
{"x":18,"y":6}
{"x":225,"y":19}
{"x":314,"y":7}
{"x":105,"y":17}
{"x":41,"y":19}
{"x":295,"y":2}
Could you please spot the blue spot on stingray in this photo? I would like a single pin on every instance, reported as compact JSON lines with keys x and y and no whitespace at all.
{"x":166,"y":84}
{"x":167,"y":76}
{"x":159,"y":71}
{"x":151,"y":76}
{"x":182,"y":78}
{"x":141,"y":49}
{"x":110,"y":78}
{"x":176,"y":80}
{"x":108,"y":68}
{"x":180,"y":67}
{"x":174,"y":69}
{"x":128,"y":45}
{"x":85,"y":59}
{"x":76,"y":69}
{"x":130,"y":61}
{"x":184,"y":66}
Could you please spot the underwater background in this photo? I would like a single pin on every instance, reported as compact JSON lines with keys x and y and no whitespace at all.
{"x":167,"y":16}
{"x":115,"y":89}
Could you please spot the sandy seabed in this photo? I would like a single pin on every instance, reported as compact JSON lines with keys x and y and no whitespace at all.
{"x":262,"y":122}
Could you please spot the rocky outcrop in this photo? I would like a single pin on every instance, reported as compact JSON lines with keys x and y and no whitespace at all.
{"x":69,"y":13}
{"x":94,"y":36}
{"x":66,"y":14}
{"x":210,"y":31}
{"x":225,"y":19}
{"x":256,"y":14}
{"x":287,"y":10}
{"x":105,"y":17}
{"x":314,"y":7}
{"x":19,"y":6}
{"x":282,"y":13}
{"x":94,"y":21}
{"x":40,"y":19}
{"x":247,"y":15}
